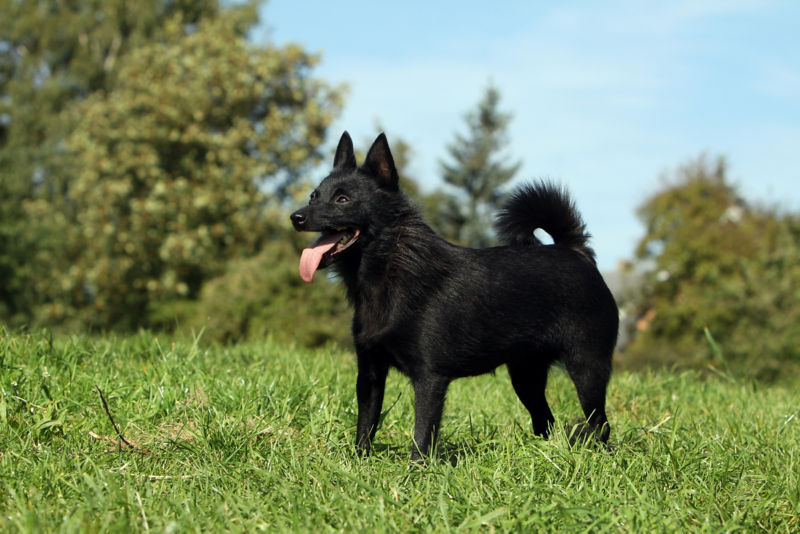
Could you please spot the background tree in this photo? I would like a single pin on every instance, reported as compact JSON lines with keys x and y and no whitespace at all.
{"x":53,"y":54}
{"x":713,"y":260}
{"x":172,"y":163}
{"x":478,"y":171}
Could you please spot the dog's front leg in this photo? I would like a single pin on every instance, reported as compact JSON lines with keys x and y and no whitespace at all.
{"x":429,"y":393}
{"x":370,"y":385}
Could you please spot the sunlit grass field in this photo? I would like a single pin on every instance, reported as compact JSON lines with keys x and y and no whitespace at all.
{"x":259,"y":436}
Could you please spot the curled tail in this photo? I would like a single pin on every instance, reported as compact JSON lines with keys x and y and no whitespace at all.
{"x":547,"y":206}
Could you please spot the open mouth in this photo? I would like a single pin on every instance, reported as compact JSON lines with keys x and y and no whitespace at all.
{"x":346,"y":237}
{"x":322,"y":252}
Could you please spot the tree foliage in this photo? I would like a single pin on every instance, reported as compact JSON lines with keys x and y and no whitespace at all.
{"x":715,"y":261}
{"x":142,"y":146}
{"x":478,"y":171}
{"x":172,"y":163}
{"x":53,"y":54}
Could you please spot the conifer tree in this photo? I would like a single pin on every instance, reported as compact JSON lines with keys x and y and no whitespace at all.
{"x":478,"y":170}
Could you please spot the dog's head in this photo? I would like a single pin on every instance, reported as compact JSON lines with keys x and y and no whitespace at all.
{"x":343,"y":206}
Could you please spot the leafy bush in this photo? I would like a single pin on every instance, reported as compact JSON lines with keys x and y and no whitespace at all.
{"x":264,"y":296}
{"x":712,"y":260}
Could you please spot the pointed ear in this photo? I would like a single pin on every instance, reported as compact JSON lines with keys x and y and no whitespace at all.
{"x":380,"y":164}
{"x":345,"y":157}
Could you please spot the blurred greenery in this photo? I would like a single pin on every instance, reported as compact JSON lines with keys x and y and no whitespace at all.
{"x":173,"y":163}
{"x":52,"y":55}
{"x":721,"y":279}
{"x":175,"y":166}
{"x":263,"y":296}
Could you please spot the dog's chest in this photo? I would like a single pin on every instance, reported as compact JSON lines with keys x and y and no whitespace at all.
{"x":386,"y":336}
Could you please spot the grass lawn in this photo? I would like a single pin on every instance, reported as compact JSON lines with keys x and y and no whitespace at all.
{"x":260,"y":437}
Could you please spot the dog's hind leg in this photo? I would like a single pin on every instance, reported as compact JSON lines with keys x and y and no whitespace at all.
{"x":529,"y":381}
{"x":370,"y":386}
{"x":590,"y":374}
{"x":429,"y":393}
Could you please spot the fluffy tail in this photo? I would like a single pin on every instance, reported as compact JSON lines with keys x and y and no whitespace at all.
{"x":547,"y":206}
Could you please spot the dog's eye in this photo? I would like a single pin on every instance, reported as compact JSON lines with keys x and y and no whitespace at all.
{"x":342,"y":199}
{"x":314,"y":195}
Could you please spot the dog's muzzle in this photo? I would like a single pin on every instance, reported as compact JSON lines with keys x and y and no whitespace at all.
{"x":299,"y":219}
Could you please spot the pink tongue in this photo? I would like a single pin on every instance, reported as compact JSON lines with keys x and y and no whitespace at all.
{"x":312,"y":256}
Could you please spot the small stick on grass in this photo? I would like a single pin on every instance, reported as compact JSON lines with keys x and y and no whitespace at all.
{"x":110,"y":418}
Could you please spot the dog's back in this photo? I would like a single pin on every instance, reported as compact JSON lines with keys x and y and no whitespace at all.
{"x":474,"y":309}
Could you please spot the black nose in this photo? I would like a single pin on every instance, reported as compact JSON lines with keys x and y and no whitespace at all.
{"x":298,"y":218}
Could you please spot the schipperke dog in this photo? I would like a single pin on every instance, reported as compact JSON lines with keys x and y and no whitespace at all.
{"x":436,"y":311}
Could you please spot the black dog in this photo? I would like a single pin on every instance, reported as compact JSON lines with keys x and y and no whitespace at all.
{"x":437,"y":311}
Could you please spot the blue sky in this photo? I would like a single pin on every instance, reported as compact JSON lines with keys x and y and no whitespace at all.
{"x":606,"y":96}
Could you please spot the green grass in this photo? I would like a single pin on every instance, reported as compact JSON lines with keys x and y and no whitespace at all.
{"x":260,"y":437}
